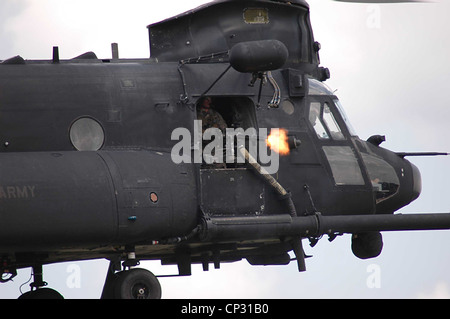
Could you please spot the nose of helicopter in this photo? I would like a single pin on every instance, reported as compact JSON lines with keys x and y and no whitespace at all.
{"x":417,"y":182}
{"x":410,"y":184}
{"x":396,"y":181}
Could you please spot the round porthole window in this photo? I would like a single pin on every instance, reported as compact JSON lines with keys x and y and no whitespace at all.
{"x":86,"y":134}
{"x":288,"y":107}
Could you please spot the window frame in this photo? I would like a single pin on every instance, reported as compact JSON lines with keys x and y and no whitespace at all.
{"x":335,"y":119}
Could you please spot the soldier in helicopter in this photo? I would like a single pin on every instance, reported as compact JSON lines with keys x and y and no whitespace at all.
{"x":209,"y":116}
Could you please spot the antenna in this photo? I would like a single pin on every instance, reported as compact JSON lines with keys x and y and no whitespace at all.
{"x":55,"y":58}
{"x":115,"y":51}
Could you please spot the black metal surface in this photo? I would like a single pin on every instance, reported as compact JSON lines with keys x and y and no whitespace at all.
{"x":80,"y":199}
{"x":252,"y":228}
{"x":217,"y":26}
{"x":86,"y":169}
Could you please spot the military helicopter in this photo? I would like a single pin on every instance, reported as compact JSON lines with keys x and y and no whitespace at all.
{"x":89,"y":170}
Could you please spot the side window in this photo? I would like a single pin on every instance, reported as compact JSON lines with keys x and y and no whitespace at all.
{"x":86,"y":134}
{"x":344,"y":165}
{"x":385,"y":182}
{"x":324,"y":122}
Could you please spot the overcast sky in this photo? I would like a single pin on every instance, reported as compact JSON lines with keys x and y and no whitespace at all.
{"x":390,"y":66}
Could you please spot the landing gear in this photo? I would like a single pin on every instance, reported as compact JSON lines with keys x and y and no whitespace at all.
{"x":42,"y":293}
{"x":39,"y":292}
{"x":136,"y":283}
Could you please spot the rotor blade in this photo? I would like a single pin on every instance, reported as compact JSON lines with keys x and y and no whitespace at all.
{"x":380,"y":1}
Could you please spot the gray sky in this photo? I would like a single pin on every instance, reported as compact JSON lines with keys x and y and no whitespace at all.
{"x":390,"y":66}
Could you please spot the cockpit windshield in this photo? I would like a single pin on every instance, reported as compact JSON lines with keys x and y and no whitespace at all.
{"x":344,"y":117}
{"x":324,"y":122}
{"x":319,"y":88}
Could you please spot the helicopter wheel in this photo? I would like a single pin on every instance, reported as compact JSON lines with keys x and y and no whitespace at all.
{"x":137,"y":283}
{"x":42,"y":293}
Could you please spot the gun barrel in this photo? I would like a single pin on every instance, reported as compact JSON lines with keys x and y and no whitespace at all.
{"x":276,"y":226}
{"x":404,"y":154}
{"x":396,"y":222}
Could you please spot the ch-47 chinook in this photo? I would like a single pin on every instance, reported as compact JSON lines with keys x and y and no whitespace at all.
{"x":105,"y":159}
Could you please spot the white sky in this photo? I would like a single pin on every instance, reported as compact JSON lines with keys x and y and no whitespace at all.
{"x":390,"y":65}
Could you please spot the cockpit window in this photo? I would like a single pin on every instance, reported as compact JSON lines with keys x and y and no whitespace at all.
{"x":331,"y":123}
{"x":344,"y":117}
{"x":314,"y":119}
{"x":324,"y":122}
{"x":385,"y":182}
{"x":318,"y":88}
{"x":344,"y":165}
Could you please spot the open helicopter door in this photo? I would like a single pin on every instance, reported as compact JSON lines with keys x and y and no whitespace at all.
{"x":227,"y":187}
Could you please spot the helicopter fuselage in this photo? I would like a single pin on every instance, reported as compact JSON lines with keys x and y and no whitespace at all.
{"x":105,"y":158}
{"x":93,"y":142}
